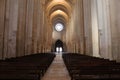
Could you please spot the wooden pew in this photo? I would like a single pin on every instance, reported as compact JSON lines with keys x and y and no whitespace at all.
{"x":19,"y":76}
{"x":87,"y":67}
{"x":32,"y":66}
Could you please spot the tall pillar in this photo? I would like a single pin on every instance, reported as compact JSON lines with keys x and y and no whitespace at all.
{"x":10,"y":28}
{"x":2,"y":25}
{"x":29,"y":25}
{"x":95,"y":40}
{"x":115,"y":28}
{"x":20,"y":46}
{"x":87,"y":27}
{"x":104,"y":28}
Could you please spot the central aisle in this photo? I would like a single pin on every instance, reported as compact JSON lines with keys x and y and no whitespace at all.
{"x":57,"y":70}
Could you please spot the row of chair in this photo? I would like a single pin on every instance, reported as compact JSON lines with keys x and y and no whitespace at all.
{"x":30,"y":67}
{"x":83,"y":67}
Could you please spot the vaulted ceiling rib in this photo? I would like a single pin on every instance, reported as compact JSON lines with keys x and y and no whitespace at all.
{"x":58,"y":11}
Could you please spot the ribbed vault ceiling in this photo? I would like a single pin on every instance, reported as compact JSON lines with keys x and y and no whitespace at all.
{"x":58,"y":11}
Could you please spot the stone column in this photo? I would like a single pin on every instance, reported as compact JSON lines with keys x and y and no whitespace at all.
{"x":94,"y":19}
{"x":2,"y":25}
{"x":11,"y":23}
{"x":20,"y":47}
{"x":29,"y":25}
{"x":87,"y":27}
{"x":115,"y":28}
{"x":104,"y":28}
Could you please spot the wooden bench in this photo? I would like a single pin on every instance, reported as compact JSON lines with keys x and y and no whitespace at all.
{"x":87,"y":67}
{"x":31,"y":67}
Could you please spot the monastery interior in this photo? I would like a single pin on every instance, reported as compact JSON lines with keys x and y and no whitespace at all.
{"x":91,"y":27}
{"x":85,"y":27}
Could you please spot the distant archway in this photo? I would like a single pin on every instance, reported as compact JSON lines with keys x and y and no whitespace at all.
{"x":58,"y":46}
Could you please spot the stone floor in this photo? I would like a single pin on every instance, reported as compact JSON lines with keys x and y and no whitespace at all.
{"x":57,"y":70}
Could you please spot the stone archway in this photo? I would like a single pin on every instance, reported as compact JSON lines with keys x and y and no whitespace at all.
{"x":59,"y":46}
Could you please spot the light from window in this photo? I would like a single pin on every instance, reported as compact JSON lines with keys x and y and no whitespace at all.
{"x":59,"y":27}
{"x":59,"y":49}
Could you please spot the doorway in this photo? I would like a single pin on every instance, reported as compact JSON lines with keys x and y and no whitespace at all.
{"x":59,"y":46}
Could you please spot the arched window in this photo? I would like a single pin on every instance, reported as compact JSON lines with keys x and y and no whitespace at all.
{"x":59,"y":27}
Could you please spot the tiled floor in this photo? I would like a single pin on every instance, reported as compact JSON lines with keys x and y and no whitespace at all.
{"x":57,"y":70}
